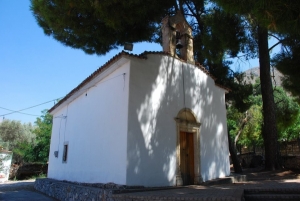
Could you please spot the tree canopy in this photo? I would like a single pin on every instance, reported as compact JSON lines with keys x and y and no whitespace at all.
{"x":275,"y":15}
{"x":29,"y":143}
{"x":287,"y":62}
{"x":38,"y":150}
{"x":97,"y":26}
{"x":43,"y":135}
{"x":13,"y":134}
{"x":246,"y":127}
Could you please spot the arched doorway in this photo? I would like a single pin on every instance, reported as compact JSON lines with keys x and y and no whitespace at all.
{"x":188,"y":148}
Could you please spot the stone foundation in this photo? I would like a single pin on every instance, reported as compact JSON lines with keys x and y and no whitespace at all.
{"x":71,"y":191}
{"x":63,"y":190}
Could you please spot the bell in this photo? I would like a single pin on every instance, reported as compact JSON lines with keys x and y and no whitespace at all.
{"x":178,"y":44}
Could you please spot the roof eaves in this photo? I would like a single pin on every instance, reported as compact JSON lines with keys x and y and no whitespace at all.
{"x":205,"y":71}
{"x":225,"y":88}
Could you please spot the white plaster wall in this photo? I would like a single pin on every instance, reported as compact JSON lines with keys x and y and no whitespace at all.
{"x":156,"y":97}
{"x":96,"y":131}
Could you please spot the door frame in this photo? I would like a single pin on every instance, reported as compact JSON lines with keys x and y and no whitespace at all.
{"x":186,"y":122}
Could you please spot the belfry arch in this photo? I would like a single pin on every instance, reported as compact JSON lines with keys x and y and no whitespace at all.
{"x":176,"y":28}
{"x":188,"y":167}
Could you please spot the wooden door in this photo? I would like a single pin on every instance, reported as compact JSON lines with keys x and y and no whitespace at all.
{"x":187,"y":158}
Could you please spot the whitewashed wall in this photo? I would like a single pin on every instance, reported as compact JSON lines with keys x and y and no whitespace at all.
{"x":156,"y":97}
{"x":95,"y":128}
{"x":96,"y":125}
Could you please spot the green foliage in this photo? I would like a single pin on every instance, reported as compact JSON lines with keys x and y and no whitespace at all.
{"x":287,"y":62}
{"x":224,"y":32}
{"x":13,"y":134}
{"x":264,"y":17}
{"x":25,"y":152}
{"x":28,"y":143}
{"x":43,"y":135}
{"x":233,"y":120}
{"x":37,"y":150}
{"x":292,"y":132}
{"x":275,"y":15}
{"x":252,"y":132}
{"x":252,"y":119}
{"x":240,"y":93}
{"x":287,"y":112}
{"x":97,"y":26}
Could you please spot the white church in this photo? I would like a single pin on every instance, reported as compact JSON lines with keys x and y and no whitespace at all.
{"x":154,"y":119}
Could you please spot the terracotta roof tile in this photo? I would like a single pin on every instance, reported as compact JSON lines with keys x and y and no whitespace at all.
{"x":205,"y":71}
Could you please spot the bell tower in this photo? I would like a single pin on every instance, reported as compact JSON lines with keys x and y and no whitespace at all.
{"x":177,"y":35}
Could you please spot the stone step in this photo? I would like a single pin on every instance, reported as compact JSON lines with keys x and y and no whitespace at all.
{"x":226,"y":180}
{"x":291,"y":194}
{"x":272,"y":191}
{"x":272,"y":197}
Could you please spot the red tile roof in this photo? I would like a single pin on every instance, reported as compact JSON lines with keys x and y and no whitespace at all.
{"x":114,"y":59}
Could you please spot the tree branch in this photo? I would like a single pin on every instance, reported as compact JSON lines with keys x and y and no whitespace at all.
{"x":244,"y":55}
{"x":194,"y":14}
{"x":279,"y":41}
{"x":279,"y":101}
{"x":274,"y":36}
{"x":275,"y":45}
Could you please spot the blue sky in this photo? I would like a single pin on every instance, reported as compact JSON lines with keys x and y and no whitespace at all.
{"x":35,"y":68}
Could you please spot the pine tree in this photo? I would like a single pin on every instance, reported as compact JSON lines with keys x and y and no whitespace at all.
{"x":265,"y":17}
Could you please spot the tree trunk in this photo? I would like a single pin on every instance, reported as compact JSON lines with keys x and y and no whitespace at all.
{"x":244,"y":121}
{"x":269,"y":127}
{"x":235,"y":160}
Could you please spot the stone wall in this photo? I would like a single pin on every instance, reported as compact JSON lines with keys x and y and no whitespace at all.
{"x":73,"y":191}
{"x":291,"y":162}
{"x":63,"y":190}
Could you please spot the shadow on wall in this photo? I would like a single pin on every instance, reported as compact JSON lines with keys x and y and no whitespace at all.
{"x":213,"y":129}
{"x":152,"y":129}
